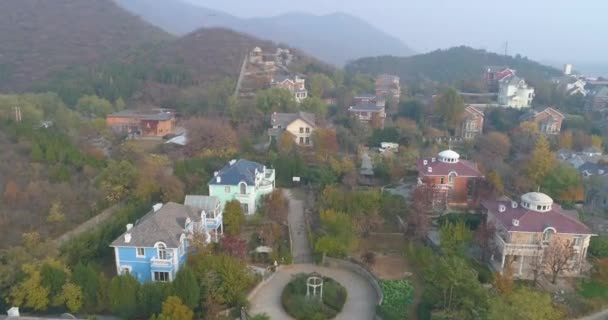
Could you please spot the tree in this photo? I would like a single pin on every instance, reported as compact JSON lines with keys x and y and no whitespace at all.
{"x":187,"y":288}
{"x":450,"y":107}
{"x":314,"y":105}
{"x":597,"y":141}
{"x":524,"y":303}
{"x":71,"y":296}
{"x":94,"y":106}
{"x":174,"y":309}
{"x":455,"y":237}
{"x":565,"y":140}
{"x":557,"y":257}
{"x":494,"y":146}
{"x":601,"y":271}
{"x":151,"y":296}
{"x":208,"y":136}
{"x":275,"y":100}
{"x":369,"y":258}
{"x":234,"y":246}
{"x":117,"y":180}
{"x":233,"y":218}
{"x":541,"y":162}
{"x":422,"y":207}
{"x":495,"y":182}
{"x":286,"y":143}
{"x":55,"y":213}
{"x":123,"y":293}
{"x":276,"y":207}
{"x":325,"y":142}
{"x":85,"y":277}
{"x":484,"y":237}
{"x":11,"y":192}
{"x":53,"y":275}
{"x":30,"y":293}
{"x":261,"y":316}
{"x":319,"y":84}
{"x":564,"y":184}
{"x":413,"y":109}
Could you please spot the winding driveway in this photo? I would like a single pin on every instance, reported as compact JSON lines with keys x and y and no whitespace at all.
{"x":360,"y":303}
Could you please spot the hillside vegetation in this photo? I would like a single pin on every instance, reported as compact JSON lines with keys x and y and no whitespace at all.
{"x":40,"y":37}
{"x":450,"y":66}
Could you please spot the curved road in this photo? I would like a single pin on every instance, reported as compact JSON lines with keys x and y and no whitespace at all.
{"x":360,"y":303}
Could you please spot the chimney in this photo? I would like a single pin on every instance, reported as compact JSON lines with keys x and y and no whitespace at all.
{"x":502,"y":208}
{"x":129,"y":226}
{"x":430,"y":170}
{"x":433,"y":159}
{"x":215,"y":173}
{"x":232,"y":162}
{"x":157,"y":207}
{"x":515,"y":223}
{"x":513,"y":204}
{"x":218,"y":179}
{"x":127,"y":237}
{"x":425,"y":162}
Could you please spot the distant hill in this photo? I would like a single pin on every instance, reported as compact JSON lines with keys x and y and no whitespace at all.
{"x":334,"y":38}
{"x":40,"y":37}
{"x":451,"y":66}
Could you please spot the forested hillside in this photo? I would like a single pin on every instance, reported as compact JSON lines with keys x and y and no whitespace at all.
{"x":40,"y":37}
{"x":450,"y":66}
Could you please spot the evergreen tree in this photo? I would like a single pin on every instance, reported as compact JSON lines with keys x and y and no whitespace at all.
{"x":123,"y":294}
{"x":187,"y":288}
{"x":233,"y":218}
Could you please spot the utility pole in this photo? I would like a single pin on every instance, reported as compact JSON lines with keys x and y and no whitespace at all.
{"x":506,"y":48}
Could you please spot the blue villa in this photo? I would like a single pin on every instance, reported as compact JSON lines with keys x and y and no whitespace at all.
{"x":156,"y":246}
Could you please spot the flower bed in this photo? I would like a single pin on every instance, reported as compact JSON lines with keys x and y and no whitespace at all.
{"x":299,"y":306}
{"x":398,"y":295}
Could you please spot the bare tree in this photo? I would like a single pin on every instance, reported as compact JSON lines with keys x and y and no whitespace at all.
{"x":558,"y":256}
{"x":422,"y":207}
{"x":538,"y":267}
{"x":484,"y":237}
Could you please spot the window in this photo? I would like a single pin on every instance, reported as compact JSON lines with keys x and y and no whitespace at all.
{"x":245,"y":208}
{"x":227,"y":189}
{"x":451,"y":178}
{"x":547,"y":235}
{"x":243,"y":188}
{"x":301,"y":140}
{"x":307,"y":130}
{"x":442,"y":180}
{"x":161,"y":276}
{"x":162,"y":251}
{"x":578,"y":241}
{"x":124,"y":270}
{"x":307,"y":140}
{"x":141,"y":252}
{"x":301,"y":130}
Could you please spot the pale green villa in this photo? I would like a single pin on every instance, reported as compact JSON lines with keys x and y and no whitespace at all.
{"x":242,"y":180}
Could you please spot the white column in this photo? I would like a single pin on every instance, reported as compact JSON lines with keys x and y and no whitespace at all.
{"x":521,"y":264}
{"x":502,"y":263}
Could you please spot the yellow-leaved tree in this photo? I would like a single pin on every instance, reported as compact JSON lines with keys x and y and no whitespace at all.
{"x":541,"y":162}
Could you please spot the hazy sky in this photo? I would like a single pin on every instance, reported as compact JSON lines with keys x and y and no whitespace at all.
{"x":547,"y":30}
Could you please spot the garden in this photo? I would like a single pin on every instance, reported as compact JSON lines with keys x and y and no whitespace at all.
{"x":398,"y":296}
{"x":300,"y":302}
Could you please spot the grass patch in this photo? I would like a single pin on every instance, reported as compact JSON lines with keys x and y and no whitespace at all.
{"x":591,"y":289}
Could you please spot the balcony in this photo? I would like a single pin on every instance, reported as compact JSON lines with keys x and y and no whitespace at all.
{"x":516,"y":249}
{"x":168,"y":262}
{"x":214,"y":223}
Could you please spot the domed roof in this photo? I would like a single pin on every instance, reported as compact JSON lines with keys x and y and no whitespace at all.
{"x":537,"y":198}
{"x":451,"y":155}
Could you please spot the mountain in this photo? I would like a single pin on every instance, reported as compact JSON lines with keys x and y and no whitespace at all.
{"x":451,"y":66}
{"x":39,"y":37}
{"x":335,"y":38}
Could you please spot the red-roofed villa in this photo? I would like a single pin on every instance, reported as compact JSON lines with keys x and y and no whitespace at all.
{"x":454,"y":180}
{"x":525,"y":230}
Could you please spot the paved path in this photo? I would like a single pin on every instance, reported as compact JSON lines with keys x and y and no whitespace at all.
{"x":300,"y":250}
{"x":602,"y":315}
{"x":359,"y":303}
{"x":267,"y":299}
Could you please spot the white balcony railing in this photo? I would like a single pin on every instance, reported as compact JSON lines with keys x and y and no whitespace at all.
{"x":516,"y":248}
{"x":157,"y":262}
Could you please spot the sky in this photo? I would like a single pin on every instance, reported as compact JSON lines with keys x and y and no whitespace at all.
{"x":557,"y":31}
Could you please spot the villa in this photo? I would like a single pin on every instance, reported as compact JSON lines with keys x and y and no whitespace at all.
{"x":156,"y":246}
{"x":242,"y":180}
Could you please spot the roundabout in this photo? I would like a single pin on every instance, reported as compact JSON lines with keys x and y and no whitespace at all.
{"x":313,"y":296}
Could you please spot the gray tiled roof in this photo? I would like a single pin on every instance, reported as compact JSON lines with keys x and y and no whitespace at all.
{"x":284,"y":119}
{"x":157,"y":115}
{"x":166,"y":225}
{"x":372,"y":107}
{"x":206,"y":203}
{"x":241,"y":170}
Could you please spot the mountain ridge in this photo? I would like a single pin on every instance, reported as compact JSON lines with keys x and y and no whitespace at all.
{"x":335,"y":38}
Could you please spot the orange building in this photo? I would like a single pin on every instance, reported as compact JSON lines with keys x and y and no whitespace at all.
{"x":454,"y":181}
{"x":152,"y":123}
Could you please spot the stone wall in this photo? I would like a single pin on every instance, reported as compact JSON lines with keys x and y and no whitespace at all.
{"x":358,"y":269}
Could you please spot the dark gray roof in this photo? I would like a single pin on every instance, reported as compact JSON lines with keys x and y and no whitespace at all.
{"x":284,"y":119}
{"x":154,"y":115}
{"x":372,"y":107}
{"x":594,"y":169}
{"x":242,"y":170}
{"x":166,"y":225}
{"x":206,"y":203}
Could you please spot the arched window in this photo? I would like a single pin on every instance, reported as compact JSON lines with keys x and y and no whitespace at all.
{"x":548,"y":235}
{"x":162,"y":251}
{"x":243,"y":188}
{"x":451,"y":177}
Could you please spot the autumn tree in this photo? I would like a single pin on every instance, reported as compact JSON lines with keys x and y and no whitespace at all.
{"x":325,"y":142}
{"x":71,"y":296}
{"x":233,"y":218}
{"x":455,"y":237}
{"x":117,"y":180}
{"x":564,"y":184}
{"x":557,"y":257}
{"x":565,"y":140}
{"x":450,"y":107}
{"x":276,"y":206}
{"x":174,"y":309}
{"x":541,"y":162}
{"x":11,"y":192}
{"x":233,"y":246}
{"x":484,"y":238}
{"x":422,"y":207}
{"x":495,"y":181}
{"x":286,"y":143}
{"x":56,"y":214}
{"x":523,"y":303}
{"x":208,"y":136}
{"x":30,"y":293}
{"x":494,"y":146}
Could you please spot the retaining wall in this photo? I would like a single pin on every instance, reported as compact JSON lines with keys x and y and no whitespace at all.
{"x":358,"y":269}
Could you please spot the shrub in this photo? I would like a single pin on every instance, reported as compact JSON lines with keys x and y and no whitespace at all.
{"x":398,"y":295}
{"x":300,"y":307}
{"x":598,"y":247}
